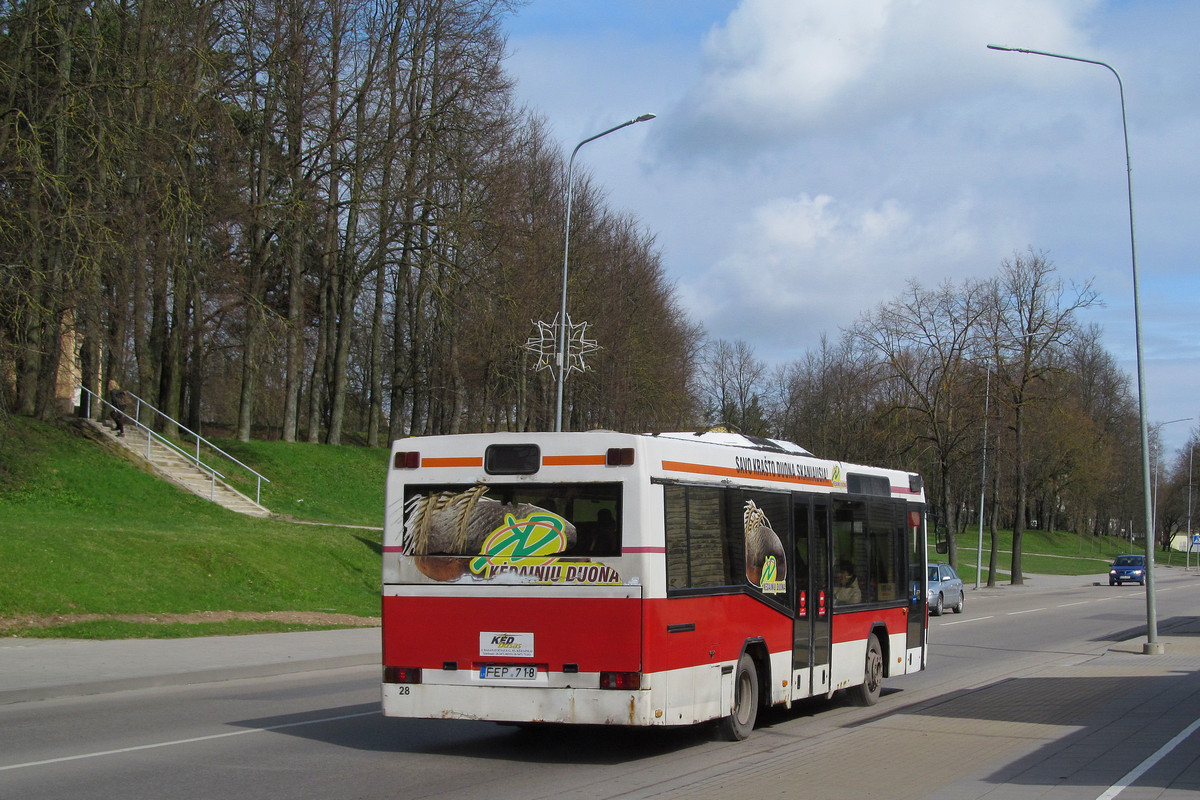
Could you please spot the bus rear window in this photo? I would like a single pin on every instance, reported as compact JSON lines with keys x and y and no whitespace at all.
{"x":526,"y":520}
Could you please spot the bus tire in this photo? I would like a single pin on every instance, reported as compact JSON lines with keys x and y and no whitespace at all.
{"x":738,"y":725}
{"x":867,"y":692}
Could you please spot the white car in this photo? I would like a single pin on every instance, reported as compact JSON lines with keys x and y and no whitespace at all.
{"x":944,"y":589}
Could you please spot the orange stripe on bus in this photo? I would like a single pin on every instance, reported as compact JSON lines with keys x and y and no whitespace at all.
{"x":574,"y":461}
{"x":730,"y":472}
{"x":471,"y":461}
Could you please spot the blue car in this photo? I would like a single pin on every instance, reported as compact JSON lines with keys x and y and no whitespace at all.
{"x":1128,"y":569}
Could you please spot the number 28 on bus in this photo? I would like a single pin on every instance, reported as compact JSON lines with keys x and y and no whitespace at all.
{"x":669,"y":579}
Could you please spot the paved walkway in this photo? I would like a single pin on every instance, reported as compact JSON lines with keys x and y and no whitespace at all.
{"x":1121,"y":724}
{"x":1118,"y":724}
{"x":36,"y":669}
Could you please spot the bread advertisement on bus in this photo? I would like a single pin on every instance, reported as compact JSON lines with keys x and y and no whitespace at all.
{"x":766,"y":561}
{"x":464,"y":535}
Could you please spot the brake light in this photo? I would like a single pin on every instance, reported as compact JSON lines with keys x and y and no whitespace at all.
{"x":409,"y":460}
{"x":620,"y":680}
{"x":401,"y":674}
{"x":619,"y":457}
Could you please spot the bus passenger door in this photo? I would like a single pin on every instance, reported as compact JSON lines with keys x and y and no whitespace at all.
{"x":810,"y":647}
{"x":918,"y":608}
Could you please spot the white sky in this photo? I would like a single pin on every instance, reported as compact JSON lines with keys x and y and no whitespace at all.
{"x":809,"y":157}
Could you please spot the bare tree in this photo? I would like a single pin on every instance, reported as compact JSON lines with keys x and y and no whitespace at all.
{"x":732,"y":383}
{"x":925,"y":340}
{"x":1036,"y":315}
{"x":827,"y":402}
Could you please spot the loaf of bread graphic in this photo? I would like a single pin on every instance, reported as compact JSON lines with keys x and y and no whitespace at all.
{"x":444,"y":531}
{"x":761,"y":542}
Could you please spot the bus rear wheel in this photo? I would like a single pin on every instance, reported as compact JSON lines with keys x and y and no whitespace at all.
{"x":740,"y":723}
{"x":867,"y":693}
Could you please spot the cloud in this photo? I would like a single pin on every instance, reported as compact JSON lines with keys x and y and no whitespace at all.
{"x":780,"y":68}
{"x":800,"y":266}
{"x":867,"y":143}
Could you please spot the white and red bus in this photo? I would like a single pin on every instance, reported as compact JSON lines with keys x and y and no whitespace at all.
{"x":666,"y":579}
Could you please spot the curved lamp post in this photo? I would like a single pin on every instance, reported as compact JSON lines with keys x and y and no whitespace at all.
{"x":1152,"y":645}
{"x":562,"y":314}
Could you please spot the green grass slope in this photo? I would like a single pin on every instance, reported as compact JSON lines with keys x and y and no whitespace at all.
{"x":91,"y":545}
{"x":341,"y":485}
{"x":1043,"y":552}
{"x":86,"y":533}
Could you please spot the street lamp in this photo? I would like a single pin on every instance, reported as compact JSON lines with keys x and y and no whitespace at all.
{"x":1152,"y":645}
{"x":562,"y":314}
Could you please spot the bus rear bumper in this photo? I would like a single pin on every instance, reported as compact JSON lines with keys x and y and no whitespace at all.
{"x":566,"y":705}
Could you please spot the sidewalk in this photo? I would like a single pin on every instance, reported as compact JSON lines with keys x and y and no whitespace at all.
{"x":37,"y":669}
{"x":1122,"y":723}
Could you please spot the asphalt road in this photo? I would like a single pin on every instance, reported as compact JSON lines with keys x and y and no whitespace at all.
{"x":319,"y":734}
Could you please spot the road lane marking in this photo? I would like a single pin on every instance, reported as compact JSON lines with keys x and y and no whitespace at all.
{"x":192,"y":740}
{"x":962,"y":621}
{"x":1157,"y":756}
{"x":1080,"y":603}
{"x":1030,"y":611}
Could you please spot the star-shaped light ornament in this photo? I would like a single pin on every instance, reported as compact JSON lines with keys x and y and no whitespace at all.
{"x":544,"y":344}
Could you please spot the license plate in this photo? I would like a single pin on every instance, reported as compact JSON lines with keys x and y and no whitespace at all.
{"x":519,"y":672}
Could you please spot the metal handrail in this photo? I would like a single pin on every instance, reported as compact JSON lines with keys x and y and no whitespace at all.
{"x":150,"y":433}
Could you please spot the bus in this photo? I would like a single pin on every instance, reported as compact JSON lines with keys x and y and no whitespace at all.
{"x":643,"y":579}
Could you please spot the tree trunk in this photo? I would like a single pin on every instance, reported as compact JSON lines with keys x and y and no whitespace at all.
{"x":993,"y":558}
{"x":249,"y":376}
{"x":1017,"y":577}
{"x":375,"y":409}
{"x":316,"y":384}
{"x":295,"y":341}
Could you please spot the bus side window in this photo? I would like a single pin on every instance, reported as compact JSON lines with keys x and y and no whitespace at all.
{"x":698,"y":549}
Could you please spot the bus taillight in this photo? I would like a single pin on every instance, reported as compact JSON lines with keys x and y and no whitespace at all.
{"x":619,"y":457}
{"x":401,"y":674}
{"x":620,"y":680}
{"x":409,"y":460}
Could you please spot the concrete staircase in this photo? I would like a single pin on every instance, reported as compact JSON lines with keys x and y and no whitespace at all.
{"x":168,"y":464}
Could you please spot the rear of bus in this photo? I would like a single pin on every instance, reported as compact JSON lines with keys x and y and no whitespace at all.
{"x":506,"y":596}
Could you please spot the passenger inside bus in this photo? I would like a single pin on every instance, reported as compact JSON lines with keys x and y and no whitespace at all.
{"x":845,"y":588}
{"x":604,"y":535}
{"x":599,"y":537}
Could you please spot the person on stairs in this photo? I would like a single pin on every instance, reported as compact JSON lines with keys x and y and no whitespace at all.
{"x":120,"y":401}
